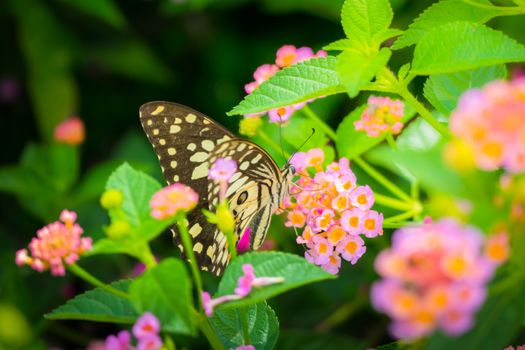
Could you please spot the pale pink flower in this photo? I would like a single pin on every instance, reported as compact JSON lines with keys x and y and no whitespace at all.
{"x":265,"y":72}
{"x":373,"y":224}
{"x":70,"y":131}
{"x":281,"y":114}
{"x":209,"y":304}
{"x":121,"y":341}
{"x":351,"y":248}
{"x":352,"y":221}
{"x":323,"y":250}
{"x":245,"y":282}
{"x":222,"y":170}
{"x":150,"y":342}
{"x":298,"y":161}
{"x":146,"y":326}
{"x":362,"y":197}
{"x":289,"y":54}
{"x":333,"y":265}
{"x":56,"y":244}
{"x":314,"y":157}
{"x":383,"y":115}
{"x":245,"y":347}
{"x":173,"y":199}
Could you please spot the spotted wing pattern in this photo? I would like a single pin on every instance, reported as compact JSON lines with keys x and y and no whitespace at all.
{"x":187,"y":143}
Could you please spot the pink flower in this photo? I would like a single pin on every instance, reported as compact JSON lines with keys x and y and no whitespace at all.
{"x":56,"y":244}
{"x":372,"y":224}
{"x":323,"y":250}
{"x":298,"y":161}
{"x":382,"y":116}
{"x":265,"y":72}
{"x":497,"y":248}
{"x":333,"y":265}
{"x":351,"y":248}
{"x":119,"y":342}
{"x":289,"y":54}
{"x":245,"y":282}
{"x":314,"y":157}
{"x":70,"y":131}
{"x":489,"y":121}
{"x":244,"y":243}
{"x":170,"y":200}
{"x":281,"y":114}
{"x":362,"y":197}
{"x":434,"y":276}
{"x":209,"y":304}
{"x":151,"y":342}
{"x":245,"y":347}
{"x":147,"y":325}
{"x":352,"y":221}
{"x":222,"y":170}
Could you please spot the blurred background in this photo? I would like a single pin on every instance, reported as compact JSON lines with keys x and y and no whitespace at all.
{"x":100,"y":60}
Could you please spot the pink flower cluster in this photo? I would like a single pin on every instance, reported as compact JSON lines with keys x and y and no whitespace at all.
{"x":286,"y":56}
{"x":70,"y":131}
{"x":146,"y":330}
{"x":56,"y":244}
{"x":333,"y":211}
{"x":222,"y":171}
{"x":435,"y":276}
{"x":383,"y":115}
{"x":170,"y":200}
{"x":245,"y":284}
{"x":491,"y":121}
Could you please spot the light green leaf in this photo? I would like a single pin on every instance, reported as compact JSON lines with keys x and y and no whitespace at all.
{"x":165,"y":290}
{"x":356,"y":69}
{"x":97,"y":305}
{"x":295,"y":270}
{"x":263,"y":326}
{"x":352,"y":143}
{"x":418,"y":135}
{"x":519,"y":2}
{"x":467,"y":46}
{"x":137,"y":188}
{"x":341,"y":44}
{"x":47,"y":51}
{"x":364,"y":21}
{"x":299,"y":83}
{"x":447,"y":11}
{"x":444,"y":90}
{"x":105,"y":10}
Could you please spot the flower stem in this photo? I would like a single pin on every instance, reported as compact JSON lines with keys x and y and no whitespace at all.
{"x":188,"y":250}
{"x":391,"y":142}
{"x":406,"y":215}
{"x":86,"y":276}
{"x":271,"y":143}
{"x":204,"y":326}
{"x":393,"y":202}
{"x":307,"y":111}
{"x":376,"y":175}
{"x":146,"y":256}
{"x":231,"y":245}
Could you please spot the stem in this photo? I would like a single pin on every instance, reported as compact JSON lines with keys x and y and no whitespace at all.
{"x":231,"y":245}
{"x":86,"y":276}
{"x":391,"y":142}
{"x":204,"y":326}
{"x":381,"y":179}
{"x":271,"y":143}
{"x":396,"y":218}
{"x":423,"y":112}
{"x":343,"y":313}
{"x":397,"y":224}
{"x":392,"y":202}
{"x":188,"y":250}
{"x":245,"y":329}
{"x":147,"y":257}
{"x":307,"y":111}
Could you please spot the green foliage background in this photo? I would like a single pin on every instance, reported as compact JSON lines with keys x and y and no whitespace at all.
{"x":102,"y":59}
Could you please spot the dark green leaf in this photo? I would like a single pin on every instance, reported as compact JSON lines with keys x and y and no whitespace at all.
{"x":357,"y":69}
{"x":467,"y":46}
{"x":443,"y":90}
{"x":299,"y":83}
{"x":97,"y":305}
{"x":311,"y":340}
{"x":263,"y":326}
{"x":105,"y":10}
{"x":165,"y":290}
{"x":295,"y":270}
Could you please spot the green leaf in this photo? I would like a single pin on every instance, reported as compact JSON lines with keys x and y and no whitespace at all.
{"x":105,"y":10}
{"x":64,"y":165}
{"x":299,"y":83}
{"x":295,"y":270}
{"x":165,"y":290}
{"x":364,"y":21}
{"x":339,"y":45}
{"x":137,"y":188}
{"x":447,"y":11}
{"x":47,"y":51}
{"x":356,"y":69}
{"x":97,"y":305}
{"x":444,"y":90}
{"x":352,"y":143}
{"x":299,"y":128}
{"x":263,"y":326}
{"x":467,"y":46}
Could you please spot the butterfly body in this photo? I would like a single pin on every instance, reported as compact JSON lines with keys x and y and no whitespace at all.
{"x":187,"y":144}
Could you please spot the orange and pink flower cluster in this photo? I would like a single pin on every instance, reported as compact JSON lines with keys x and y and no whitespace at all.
{"x":382,"y":115}
{"x":435,"y":276}
{"x":56,"y":244}
{"x":286,"y":56}
{"x":333,"y":211}
{"x":146,"y":329}
{"x":491,"y":121}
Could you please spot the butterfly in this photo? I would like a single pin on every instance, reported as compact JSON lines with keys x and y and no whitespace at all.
{"x":187,"y":144}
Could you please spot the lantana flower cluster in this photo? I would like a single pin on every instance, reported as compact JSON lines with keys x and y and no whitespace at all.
{"x":435,"y":276}
{"x":286,"y":56}
{"x":245,"y":284}
{"x":382,"y":115}
{"x":146,"y":329}
{"x":491,"y":122}
{"x":333,"y":211}
{"x":56,"y":244}
{"x":172,"y":199}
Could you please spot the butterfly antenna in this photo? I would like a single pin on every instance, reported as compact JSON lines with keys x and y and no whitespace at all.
{"x":304,"y":143}
{"x":281,"y":137}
